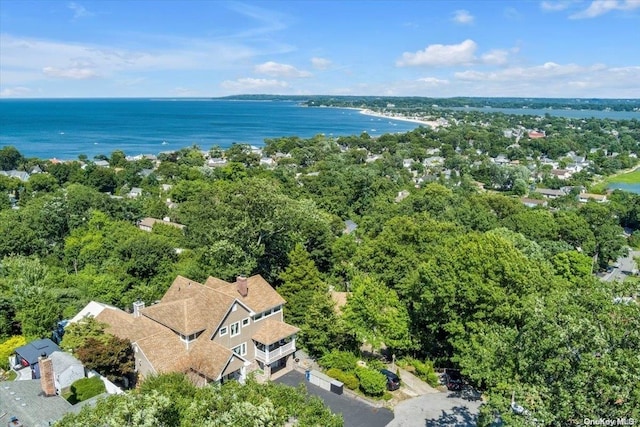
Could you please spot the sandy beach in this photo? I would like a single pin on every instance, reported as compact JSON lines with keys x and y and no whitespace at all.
{"x":431,"y":123}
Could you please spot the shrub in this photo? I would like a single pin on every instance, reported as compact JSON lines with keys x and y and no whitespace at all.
{"x":424,"y":371}
{"x":86,"y":388}
{"x":349,"y":380}
{"x":8,"y":347}
{"x":343,"y":360}
{"x":372,"y":383}
{"x":376,"y":364}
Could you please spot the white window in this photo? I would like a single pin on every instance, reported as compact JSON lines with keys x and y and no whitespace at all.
{"x":267,"y":313}
{"x":245,"y":322}
{"x":257,"y":317}
{"x":235,"y":329}
{"x":241,"y":350}
{"x":223,"y":331}
{"x":277,"y":309}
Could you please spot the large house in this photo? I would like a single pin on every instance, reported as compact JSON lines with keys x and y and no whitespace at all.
{"x":214,"y":331}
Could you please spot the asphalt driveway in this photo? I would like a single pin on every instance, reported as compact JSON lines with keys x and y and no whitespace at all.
{"x":444,"y":409}
{"x":354,"y":412}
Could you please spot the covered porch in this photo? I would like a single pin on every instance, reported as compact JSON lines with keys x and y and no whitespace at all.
{"x":274,"y":345}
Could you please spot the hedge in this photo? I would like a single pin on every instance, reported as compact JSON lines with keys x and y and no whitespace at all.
{"x":343,"y":360}
{"x":86,"y":388}
{"x":348,"y":379}
{"x":372,"y":383}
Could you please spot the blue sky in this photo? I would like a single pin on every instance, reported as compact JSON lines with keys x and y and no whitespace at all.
{"x":191,"y":48}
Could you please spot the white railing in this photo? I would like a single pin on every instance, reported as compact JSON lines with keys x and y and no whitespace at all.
{"x":270,"y":356}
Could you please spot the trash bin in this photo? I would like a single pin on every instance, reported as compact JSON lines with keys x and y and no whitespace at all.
{"x":337,"y":387}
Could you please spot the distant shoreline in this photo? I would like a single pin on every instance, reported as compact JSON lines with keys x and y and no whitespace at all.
{"x":431,"y":123}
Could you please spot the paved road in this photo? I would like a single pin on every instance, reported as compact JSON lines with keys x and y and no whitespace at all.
{"x":354,"y":412}
{"x":445,"y":409}
{"x":626,"y":266}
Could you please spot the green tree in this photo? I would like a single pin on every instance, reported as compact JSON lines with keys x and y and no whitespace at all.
{"x":10,"y":158}
{"x":110,"y":356}
{"x":76,"y":334}
{"x":301,"y":282}
{"x":376,"y":316}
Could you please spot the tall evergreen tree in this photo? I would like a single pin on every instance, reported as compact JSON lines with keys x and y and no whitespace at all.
{"x":301,"y":282}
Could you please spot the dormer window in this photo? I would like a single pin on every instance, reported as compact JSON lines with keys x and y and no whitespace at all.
{"x":223,"y":331}
{"x":189,"y":338}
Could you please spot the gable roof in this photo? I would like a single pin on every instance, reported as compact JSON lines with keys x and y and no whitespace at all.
{"x":261,"y":295}
{"x":167,"y":353}
{"x":34,"y":349}
{"x":126,"y":326}
{"x":62,"y":360}
{"x":186,"y":316}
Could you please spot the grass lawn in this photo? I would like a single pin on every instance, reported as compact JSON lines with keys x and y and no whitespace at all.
{"x":625,"y":178}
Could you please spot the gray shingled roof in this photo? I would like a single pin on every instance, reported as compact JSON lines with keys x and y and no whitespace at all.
{"x":31,"y":351}
{"x":25,"y":401}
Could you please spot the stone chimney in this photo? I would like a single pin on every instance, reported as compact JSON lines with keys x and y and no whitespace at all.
{"x":46,"y":376}
{"x":137,"y":306}
{"x":243,"y":287}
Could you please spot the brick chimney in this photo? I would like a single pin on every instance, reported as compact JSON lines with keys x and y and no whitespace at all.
{"x":243,"y":287}
{"x":137,"y":306}
{"x":46,"y":376}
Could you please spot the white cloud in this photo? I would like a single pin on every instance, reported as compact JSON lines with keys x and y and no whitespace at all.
{"x":552,"y":80}
{"x":320,"y":63}
{"x":463,"y":17}
{"x":545,"y":71}
{"x":439,"y":55}
{"x":600,"y":7}
{"x":26,"y":60}
{"x":275,"y":69}
{"x":70,"y":73}
{"x":247,"y":85}
{"x":555,"y":6}
{"x":79,"y":11}
{"x":433,"y":81}
{"x":17,"y":91}
{"x":496,"y":57}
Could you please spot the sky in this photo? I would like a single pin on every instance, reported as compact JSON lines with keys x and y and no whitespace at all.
{"x":192,"y":48}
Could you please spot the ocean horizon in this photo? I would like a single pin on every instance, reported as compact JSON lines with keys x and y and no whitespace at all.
{"x":66,"y":128}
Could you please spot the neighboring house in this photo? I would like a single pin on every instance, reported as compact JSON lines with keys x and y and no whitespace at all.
{"x":536,"y":135}
{"x":21,"y":175}
{"x":214,"y":331}
{"x":349,"y":227}
{"x":27,"y":355}
{"x":549,"y":193}
{"x":561,"y":173}
{"x":585,"y":197}
{"x":532,"y":203}
{"x":144,"y":173}
{"x":27,"y":404}
{"x":135,"y":192}
{"x":66,"y":370}
{"x":101,"y":163}
{"x":401,"y":196}
{"x":215,"y":162}
{"x":267,"y":161}
{"x":146,"y":224}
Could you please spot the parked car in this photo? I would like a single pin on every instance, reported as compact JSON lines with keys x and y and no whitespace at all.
{"x":454,"y":380}
{"x":393,"y":381}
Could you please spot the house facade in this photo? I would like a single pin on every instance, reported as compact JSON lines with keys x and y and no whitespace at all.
{"x":214,"y":332}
